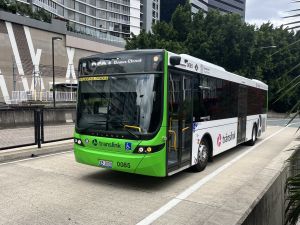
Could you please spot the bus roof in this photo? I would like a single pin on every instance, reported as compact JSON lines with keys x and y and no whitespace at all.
{"x":196,"y":65}
{"x":192,"y":64}
{"x":111,"y":54}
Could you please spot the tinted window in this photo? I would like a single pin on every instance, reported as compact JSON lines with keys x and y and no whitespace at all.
{"x":257,"y":101}
{"x":214,"y":98}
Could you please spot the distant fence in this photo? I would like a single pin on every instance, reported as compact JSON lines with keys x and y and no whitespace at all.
{"x":43,"y":96}
{"x":24,"y":126}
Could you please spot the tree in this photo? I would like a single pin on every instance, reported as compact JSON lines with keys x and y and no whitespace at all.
{"x":3,"y":5}
{"x":227,"y":41}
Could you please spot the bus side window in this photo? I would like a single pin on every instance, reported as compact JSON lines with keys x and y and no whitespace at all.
{"x":199,"y":110}
{"x":208,"y":98}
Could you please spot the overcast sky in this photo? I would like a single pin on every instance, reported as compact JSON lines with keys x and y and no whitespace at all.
{"x":259,"y":11}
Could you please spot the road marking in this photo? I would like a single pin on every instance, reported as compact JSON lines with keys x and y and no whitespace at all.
{"x":37,"y":157}
{"x":187,"y":192}
{"x":272,"y":120}
{"x":291,"y":124}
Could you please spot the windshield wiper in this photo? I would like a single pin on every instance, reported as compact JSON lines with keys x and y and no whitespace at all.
{"x":126,"y":128}
{"x":95,"y":123}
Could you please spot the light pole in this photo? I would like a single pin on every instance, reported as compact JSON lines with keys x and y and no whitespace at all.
{"x":53,"y":82}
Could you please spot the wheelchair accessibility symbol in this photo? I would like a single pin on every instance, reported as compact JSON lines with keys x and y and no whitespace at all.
{"x":127,"y":146}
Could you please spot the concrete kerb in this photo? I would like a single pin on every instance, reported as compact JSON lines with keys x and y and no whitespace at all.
{"x":270,"y":174}
{"x":32,"y":151}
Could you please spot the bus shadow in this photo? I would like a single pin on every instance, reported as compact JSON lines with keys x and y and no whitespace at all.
{"x":124,"y":180}
{"x":133,"y":181}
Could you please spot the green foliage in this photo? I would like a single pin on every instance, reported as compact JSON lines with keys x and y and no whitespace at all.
{"x":227,"y":41}
{"x":24,"y":10}
{"x":4,"y":4}
{"x":292,"y":188}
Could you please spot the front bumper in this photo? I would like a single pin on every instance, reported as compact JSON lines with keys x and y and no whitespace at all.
{"x":153,"y":164}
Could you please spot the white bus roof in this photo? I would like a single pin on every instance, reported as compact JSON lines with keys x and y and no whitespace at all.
{"x":194,"y":64}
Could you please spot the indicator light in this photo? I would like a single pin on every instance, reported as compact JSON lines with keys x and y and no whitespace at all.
{"x":149,"y":149}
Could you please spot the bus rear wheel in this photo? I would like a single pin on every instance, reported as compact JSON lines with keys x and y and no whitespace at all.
{"x":203,"y":155}
{"x":253,"y":137}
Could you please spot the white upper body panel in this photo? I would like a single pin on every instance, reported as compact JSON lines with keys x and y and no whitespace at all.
{"x":196,"y":65}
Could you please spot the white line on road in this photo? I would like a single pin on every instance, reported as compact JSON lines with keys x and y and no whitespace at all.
{"x":277,"y":120}
{"x":37,"y":157}
{"x":187,"y":192}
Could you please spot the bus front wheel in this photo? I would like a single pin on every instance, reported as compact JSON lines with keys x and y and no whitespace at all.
{"x":253,"y":137}
{"x":203,"y":155}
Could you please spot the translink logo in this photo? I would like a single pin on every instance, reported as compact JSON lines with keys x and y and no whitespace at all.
{"x":226,"y":138}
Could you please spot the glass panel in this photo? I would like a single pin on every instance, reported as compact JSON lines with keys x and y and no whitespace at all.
{"x":242,"y":113}
{"x":174,"y":107}
{"x":71,"y":4}
{"x":71,"y":15}
{"x":186,"y":117}
{"x":116,"y":101}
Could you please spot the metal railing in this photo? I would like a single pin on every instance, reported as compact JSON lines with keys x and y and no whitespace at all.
{"x":25,"y":126}
{"x":43,"y":96}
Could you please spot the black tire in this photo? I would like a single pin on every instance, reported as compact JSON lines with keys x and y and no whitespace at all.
{"x":202,"y":156}
{"x":253,"y":137}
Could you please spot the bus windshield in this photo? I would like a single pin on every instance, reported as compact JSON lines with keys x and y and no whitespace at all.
{"x":120,"y":104}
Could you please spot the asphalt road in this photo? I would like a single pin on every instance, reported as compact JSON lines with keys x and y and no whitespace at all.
{"x":57,"y":190}
{"x":283,"y":122}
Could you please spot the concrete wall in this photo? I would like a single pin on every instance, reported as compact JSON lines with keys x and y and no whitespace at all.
{"x":59,"y":116}
{"x":14,"y":118}
{"x":269,"y":209}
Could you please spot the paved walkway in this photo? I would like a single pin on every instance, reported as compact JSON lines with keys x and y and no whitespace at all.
{"x":57,"y":190}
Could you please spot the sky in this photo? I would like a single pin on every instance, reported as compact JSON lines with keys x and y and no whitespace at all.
{"x":262,"y":11}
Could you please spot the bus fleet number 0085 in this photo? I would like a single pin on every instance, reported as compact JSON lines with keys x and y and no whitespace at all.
{"x":123,"y":164}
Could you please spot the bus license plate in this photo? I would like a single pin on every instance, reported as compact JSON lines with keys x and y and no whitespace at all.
{"x":105,"y":164}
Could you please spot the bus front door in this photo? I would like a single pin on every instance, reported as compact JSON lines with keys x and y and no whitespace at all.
{"x":180,"y":121}
{"x":242,"y":114}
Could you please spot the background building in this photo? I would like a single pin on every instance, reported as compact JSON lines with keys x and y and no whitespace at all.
{"x":227,"y":6}
{"x":150,"y":13}
{"x":26,"y":54}
{"x":104,"y":19}
{"x":113,"y":20}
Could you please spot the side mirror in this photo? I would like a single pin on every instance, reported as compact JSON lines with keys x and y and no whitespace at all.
{"x":175,"y":60}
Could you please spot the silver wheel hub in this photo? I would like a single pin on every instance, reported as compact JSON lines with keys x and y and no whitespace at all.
{"x":202,"y":153}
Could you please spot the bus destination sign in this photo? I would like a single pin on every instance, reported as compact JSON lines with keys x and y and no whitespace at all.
{"x":121,"y":64}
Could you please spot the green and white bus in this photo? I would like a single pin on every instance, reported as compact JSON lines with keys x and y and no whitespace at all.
{"x":155,"y":113}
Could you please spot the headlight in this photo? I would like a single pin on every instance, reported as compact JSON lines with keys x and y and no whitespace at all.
{"x":78,"y":141}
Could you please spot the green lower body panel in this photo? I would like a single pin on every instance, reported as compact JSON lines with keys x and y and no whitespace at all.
{"x":153,"y":164}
